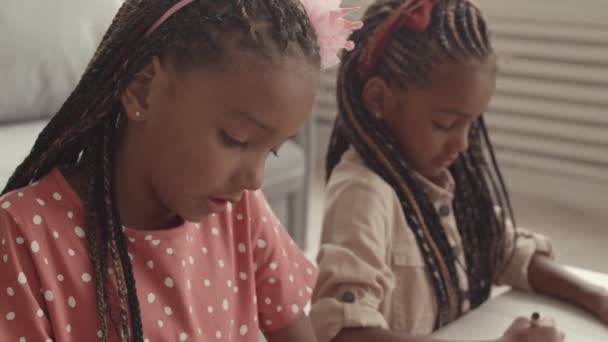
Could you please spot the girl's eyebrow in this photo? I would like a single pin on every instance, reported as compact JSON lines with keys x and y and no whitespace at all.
{"x":455,"y":112}
{"x":251,"y":119}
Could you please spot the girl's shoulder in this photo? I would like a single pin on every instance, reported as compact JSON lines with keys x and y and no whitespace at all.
{"x":352,"y":180}
{"x":283,"y":275}
{"x":39,"y":203}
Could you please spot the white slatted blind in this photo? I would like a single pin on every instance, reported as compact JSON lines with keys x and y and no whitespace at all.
{"x":549,"y":118}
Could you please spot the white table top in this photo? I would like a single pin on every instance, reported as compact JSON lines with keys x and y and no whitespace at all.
{"x":494,"y":317}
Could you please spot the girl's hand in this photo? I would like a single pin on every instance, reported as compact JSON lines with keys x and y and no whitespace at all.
{"x":300,"y":330}
{"x":599,"y":305}
{"x":523,"y":330}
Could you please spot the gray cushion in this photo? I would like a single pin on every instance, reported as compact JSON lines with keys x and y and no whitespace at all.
{"x":45,"y":47}
{"x":15,"y":142}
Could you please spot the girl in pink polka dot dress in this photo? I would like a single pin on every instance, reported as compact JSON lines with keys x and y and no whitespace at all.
{"x":137,"y":214}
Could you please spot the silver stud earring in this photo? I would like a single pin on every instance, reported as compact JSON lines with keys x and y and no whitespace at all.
{"x":137,"y":114}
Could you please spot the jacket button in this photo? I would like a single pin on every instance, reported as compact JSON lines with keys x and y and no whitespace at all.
{"x":348,"y":297}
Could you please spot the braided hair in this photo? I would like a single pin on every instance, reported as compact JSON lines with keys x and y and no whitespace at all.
{"x":83,"y":133}
{"x":457,"y":32}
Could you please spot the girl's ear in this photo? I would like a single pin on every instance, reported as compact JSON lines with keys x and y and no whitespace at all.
{"x":376,"y":96}
{"x":136,"y":97}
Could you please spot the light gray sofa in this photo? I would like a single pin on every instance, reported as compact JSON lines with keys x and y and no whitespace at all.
{"x":40,"y":63}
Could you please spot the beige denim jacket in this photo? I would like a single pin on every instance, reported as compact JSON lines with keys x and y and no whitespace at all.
{"x":371,"y":272}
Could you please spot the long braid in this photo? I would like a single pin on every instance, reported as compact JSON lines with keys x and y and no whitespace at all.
{"x":340,"y":140}
{"x":84,"y":133}
{"x":99,"y":186}
{"x":457,"y":32}
{"x":119,"y":240}
{"x":95,"y":237}
{"x":128,"y":302}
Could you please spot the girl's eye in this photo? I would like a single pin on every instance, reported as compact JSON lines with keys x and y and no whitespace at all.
{"x":232,"y":142}
{"x":443,"y":126}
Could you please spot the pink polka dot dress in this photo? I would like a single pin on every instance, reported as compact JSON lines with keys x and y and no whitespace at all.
{"x":224,"y":279}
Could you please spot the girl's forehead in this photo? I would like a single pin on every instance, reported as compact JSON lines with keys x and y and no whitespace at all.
{"x":250,"y":69}
{"x":271,"y":93}
{"x":464,"y":69}
{"x":467,"y":87}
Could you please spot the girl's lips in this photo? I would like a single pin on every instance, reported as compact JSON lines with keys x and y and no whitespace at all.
{"x":217,"y":205}
{"x":447,"y":162}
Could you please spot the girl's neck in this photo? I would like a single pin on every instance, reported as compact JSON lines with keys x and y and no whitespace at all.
{"x":138,"y":203}
{"x":138,"y":206}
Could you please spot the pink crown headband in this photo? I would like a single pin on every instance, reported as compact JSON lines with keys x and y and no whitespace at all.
{"x":326,"y":16}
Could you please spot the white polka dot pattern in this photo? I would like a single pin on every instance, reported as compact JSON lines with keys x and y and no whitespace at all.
{"x":204,"y":272}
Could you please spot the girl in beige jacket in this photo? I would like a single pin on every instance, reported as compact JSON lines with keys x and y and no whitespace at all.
{"x":418,"y":225}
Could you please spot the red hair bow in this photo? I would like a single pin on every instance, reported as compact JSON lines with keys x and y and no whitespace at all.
{"x":415,"y":15}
